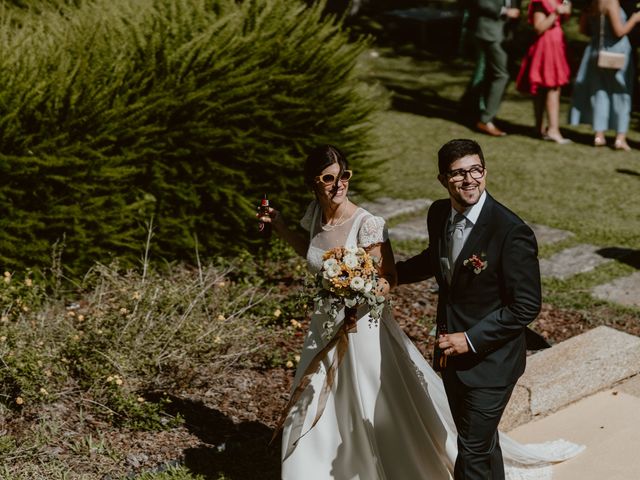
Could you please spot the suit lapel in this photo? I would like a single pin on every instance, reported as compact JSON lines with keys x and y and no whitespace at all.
{"x":474,"y":237}
{"x":443,"y":249}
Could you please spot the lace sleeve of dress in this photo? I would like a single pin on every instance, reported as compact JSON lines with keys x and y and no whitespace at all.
{"x":305,"y":221}
{"x":373,"y":230}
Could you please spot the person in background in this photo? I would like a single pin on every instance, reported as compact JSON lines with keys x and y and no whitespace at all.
{"x":489,"y":19}
{"x":601,"y":96}
{"x":544,"y":69}
{"x":472,"y":102}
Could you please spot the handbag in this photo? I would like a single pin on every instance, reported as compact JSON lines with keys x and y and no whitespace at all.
{"x":609,"y":60}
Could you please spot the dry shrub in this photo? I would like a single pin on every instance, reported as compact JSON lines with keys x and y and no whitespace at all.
{"x":127,"y":333}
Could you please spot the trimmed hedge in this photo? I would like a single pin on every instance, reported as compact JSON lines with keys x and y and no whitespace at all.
{"x":116,"y":111}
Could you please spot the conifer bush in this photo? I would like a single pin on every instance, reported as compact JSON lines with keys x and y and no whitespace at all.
{"x":113,"y":112}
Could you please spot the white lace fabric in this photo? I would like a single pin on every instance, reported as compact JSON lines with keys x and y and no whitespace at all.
{"x":362,"y":229}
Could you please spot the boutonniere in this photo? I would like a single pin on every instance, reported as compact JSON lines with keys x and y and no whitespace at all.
{"x":476,"y":263}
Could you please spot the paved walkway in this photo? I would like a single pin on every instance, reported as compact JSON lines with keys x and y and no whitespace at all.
{"x":608,"y":423}
{"x":586,"y":389}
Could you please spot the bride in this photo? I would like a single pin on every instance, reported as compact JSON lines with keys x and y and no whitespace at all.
{"x":365,"y":404}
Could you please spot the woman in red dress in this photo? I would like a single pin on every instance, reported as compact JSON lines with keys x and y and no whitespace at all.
{"x":544,"y":68}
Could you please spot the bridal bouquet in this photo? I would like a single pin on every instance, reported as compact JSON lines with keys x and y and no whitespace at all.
{"x":348,"y":278}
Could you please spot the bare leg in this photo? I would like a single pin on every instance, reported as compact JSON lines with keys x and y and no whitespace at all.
{"x":552,"y":105}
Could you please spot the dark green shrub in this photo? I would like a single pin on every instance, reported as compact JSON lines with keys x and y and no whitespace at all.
{"x":114,"y":111}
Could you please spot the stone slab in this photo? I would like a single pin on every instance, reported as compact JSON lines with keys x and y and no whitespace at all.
{"x":630,"y":386}
{"x":571,"y":261}
{"x":606,"y":423}
{"x":415,"y":229}
{"x":546,"y":235}
{"x":388,"y":208}
{"x":571,"y":370}
{"x":623,"y":290}
{"x":518,"y":409}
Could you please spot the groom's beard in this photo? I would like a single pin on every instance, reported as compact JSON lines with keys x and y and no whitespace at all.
{"x":467,"y":196}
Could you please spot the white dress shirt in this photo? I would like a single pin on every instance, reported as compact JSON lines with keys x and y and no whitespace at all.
{"x":471,"y":214}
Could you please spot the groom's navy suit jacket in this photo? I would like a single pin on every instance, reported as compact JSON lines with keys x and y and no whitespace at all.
{"x":493,"y":306}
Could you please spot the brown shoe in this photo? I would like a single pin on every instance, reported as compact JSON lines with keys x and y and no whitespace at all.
{"x":490,"y":129}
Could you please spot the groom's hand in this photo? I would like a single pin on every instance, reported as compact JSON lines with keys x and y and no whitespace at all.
{"x":453,"y":343}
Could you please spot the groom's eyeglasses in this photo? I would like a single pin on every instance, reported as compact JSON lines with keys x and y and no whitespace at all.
{"x":476,"y":172}
{"x":330,"y":178}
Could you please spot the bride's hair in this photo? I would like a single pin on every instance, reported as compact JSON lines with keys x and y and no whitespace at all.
{"x":320,"y":158}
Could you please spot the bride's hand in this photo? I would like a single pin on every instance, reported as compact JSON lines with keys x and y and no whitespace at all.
{"x":274,"y":217}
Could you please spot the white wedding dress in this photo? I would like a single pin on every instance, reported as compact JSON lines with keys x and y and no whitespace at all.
{"x":387,"y":415}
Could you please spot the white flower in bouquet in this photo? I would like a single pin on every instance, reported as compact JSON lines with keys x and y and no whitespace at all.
{"x":348,"y":278}
{"x":330,"y":263}
{"x":351,"y":260}
{"x":357,"y":284}
{"x":332,"y":271}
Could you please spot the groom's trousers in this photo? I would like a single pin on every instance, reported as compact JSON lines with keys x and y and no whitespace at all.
{"x":477,"y":413}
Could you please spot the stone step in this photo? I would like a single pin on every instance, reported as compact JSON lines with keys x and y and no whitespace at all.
{"x":571,"y":261}
{"x":571,"y":370}
{"x":606,"y":423}
{"x":546,"y":235}
{"x":415,"y":229}
{"x":623,"y":290}
{"x":388,"y":208}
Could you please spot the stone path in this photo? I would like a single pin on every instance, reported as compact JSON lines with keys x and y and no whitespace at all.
{"x":571,"y":261}
{"x":576,"y":259}
{"x":389,"y":208}
{"x":571,"y":370}
{"x":625,"y":290}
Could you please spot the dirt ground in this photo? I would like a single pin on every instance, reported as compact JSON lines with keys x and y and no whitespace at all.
{"x":228,"y":427}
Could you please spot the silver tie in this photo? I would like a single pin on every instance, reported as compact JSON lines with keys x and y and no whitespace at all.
{"x":457,"y":236}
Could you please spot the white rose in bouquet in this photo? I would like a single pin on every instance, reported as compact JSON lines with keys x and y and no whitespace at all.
{"x":357,"y":284}
{"x":351,"y":261}
{"x":332,"y":271}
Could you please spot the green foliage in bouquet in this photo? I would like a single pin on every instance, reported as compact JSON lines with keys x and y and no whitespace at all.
{"x":187,"y":111}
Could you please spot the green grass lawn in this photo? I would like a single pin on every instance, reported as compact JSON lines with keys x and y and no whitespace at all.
{"x":591,"y":192}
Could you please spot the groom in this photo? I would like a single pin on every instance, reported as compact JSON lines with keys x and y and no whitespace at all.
{"x":485,"y":261}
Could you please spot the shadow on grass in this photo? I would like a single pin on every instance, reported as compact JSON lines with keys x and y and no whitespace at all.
{"x":426,"y":102}
{"x":233,"y":451}
{"x":626,"y":171}
{"x":627,"y":256}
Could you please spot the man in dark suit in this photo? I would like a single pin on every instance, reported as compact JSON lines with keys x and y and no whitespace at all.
{"x":485,"y":261}
{"x":488,"y":20}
